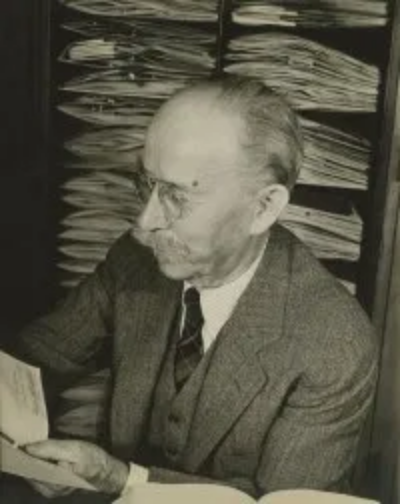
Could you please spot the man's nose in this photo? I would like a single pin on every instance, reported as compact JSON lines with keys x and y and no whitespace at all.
{"x":153,"y":216}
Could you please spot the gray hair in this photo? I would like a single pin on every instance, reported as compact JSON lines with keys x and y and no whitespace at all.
{"x":272,"y":136}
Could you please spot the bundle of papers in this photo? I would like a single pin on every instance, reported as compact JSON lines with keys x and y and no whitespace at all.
{"x":141,"y":60}
{"x":311,"y":13}
{"x":179,"y":10}
{"x":311,"y":75}
{"x":107,"y":144}
{"x":112,"y":111}
{"x":141,"y":44}
{"x":101,"y":53}
{"x":329,"y":235}
{"x":104,"y":206}
{"x":333,"y":158}
{"x":142,"y":33}
{"x":112,"y":192}
{"x":122,"y":84}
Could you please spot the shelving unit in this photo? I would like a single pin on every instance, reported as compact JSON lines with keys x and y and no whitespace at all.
{"x":28,"y":189}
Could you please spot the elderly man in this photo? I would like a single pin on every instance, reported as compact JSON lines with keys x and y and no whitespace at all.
{"x":236,"y":357}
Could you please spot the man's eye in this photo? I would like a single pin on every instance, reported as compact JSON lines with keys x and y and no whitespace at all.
{"x":150,"y":183}
{"x":177,"y":198}
{"x":174,"y":200}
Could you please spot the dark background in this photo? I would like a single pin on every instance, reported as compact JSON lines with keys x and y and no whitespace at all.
{"x":27,"y":174}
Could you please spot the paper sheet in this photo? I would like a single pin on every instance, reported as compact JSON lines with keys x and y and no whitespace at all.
{"x":23,"y":415}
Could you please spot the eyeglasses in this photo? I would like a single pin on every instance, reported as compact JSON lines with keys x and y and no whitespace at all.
{"x":174,"y":200}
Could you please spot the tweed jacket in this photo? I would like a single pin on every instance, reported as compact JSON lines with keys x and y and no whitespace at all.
{"x":286,"y":392}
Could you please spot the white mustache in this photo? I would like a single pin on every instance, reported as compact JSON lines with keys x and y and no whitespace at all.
{"x":164,"y":244}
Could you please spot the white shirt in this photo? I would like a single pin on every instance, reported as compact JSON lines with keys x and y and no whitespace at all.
{"x":217,"y":305}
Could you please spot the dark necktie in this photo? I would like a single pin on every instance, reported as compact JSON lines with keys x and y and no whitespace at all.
{"x":189,"y":349}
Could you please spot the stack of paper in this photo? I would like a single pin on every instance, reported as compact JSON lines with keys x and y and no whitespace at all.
{"x":311,"y":13}
{"x":334,"y":158}
{"x":330,"y":235}
{"x":113,"y":144}
{"x":180,"y":10}
{"x":123,"y":84}
{"x":311,"y":75}
{"x":145,"y":32}
{"x":112,"y":110}
{"x":104,"y":205}
{"x":142,"y":46}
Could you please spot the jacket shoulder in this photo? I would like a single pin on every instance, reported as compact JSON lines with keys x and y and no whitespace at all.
{"x":323,"y":319}
{"x":127,"y":258}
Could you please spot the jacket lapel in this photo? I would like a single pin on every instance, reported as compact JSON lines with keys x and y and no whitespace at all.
{"x":152,"y":306}
{"x":236,"y":372}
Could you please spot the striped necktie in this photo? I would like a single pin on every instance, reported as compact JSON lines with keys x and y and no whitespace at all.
{"x":189,"y":349}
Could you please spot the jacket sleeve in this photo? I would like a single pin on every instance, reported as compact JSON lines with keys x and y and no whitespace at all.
{"x":315,"y":440}
{"x":65,"y":342}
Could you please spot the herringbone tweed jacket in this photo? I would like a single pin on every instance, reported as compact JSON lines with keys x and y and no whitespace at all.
{"x":288,"y":387}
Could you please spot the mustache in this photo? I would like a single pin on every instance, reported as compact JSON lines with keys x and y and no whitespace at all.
{"x":161,"y":242}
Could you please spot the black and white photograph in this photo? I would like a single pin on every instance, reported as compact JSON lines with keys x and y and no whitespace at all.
{"x":200,"y":253}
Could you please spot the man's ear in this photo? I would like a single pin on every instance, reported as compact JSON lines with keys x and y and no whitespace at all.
{"x":271,"y":201}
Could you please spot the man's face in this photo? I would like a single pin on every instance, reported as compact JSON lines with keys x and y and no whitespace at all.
{"x":198,"y":214}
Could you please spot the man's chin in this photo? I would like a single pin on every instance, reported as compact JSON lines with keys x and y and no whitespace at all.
{"x":174,"y":271}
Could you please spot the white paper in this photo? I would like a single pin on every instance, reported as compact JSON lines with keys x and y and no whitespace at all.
{"x":23,"y":415}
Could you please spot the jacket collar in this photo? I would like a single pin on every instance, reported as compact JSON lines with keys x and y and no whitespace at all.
{"x":236,"y":373}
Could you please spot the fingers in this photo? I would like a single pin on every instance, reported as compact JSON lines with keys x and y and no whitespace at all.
{"x":49,"y":490}
{"x":84,"y":459}
{"x":87,"y":460}
{"x":56,"y":450}
{"x":66,"y":465}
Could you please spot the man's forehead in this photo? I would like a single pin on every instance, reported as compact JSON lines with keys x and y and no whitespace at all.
{"x":193,"y":134}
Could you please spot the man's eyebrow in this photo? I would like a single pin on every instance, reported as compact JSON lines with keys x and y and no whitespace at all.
{"x":170,"y":183}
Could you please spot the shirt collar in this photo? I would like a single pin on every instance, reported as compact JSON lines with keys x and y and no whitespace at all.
{"x":218,"y":303}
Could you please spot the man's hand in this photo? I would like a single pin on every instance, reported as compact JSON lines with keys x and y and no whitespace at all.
{"x":86,"y":460}
{"x":49,"y":490}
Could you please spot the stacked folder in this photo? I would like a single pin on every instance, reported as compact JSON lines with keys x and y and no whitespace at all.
{"x":177,"y":10}
{"x":142,"y":47}
{"x":331,"y":235}
{"x":104,"y":205}
{"x":118,"y":145}
{"x":311,"y":75}
{"x":112,"y":110}
{"x":328,"y":221}
{"x":334,"y":158}
{"x":311,"y":13}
